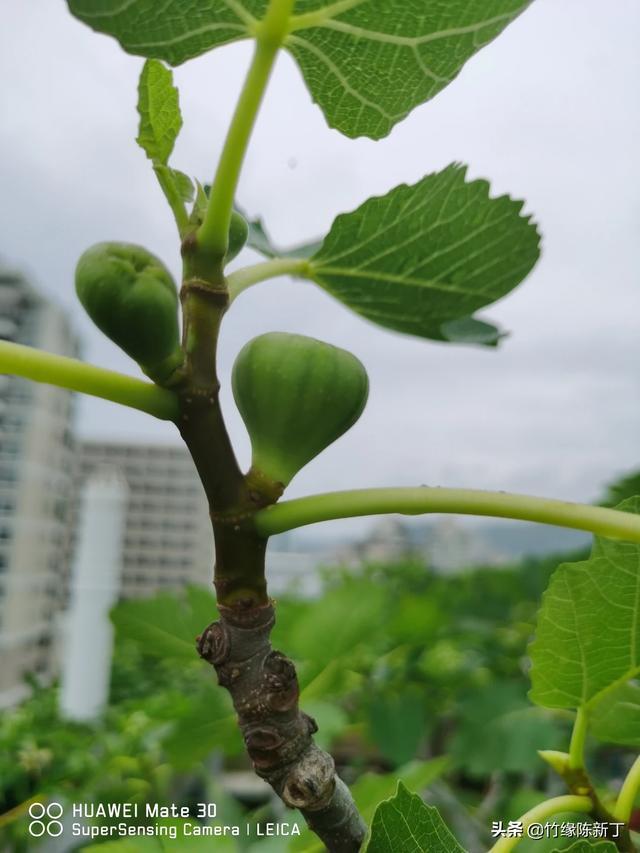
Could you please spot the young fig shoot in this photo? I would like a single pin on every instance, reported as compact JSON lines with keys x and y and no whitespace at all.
{"x":296,"y":396}
{"x":131,"y":296}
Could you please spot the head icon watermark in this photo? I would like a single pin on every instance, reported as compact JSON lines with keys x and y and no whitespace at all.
{"x":44,"y":820}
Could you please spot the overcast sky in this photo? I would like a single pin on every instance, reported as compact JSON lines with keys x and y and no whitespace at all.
{"x":547,"y":112}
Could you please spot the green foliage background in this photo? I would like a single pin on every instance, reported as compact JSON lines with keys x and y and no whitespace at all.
{"x":411,"y":676}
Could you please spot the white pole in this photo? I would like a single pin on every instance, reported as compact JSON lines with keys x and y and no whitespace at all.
{"x":96,"y":570}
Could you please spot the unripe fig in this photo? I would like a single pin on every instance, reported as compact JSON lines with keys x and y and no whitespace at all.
{"x":238,"y":234}
{"x":296,"y":396}
{"x":130,"y":296}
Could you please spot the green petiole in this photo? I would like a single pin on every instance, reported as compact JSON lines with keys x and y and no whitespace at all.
{"x":270,"y":33}
{"x":86,"y":378}
{"x":628,"y":793}
{"x":578,"y":738}
{"x":247,"y":276}
{"x":539,"y":814}
{"x":167,"y":184}
{"x":418,"y":501}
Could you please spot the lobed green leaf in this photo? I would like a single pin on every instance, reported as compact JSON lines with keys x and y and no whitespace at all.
{"x":367,"y":63}
{"x":175,"y":30}
{"x":616,"y":717}
{"x":405,"y":824}
{"x":423,"y":258}
{"x":588,"y":633}
{"x":370,"y":788}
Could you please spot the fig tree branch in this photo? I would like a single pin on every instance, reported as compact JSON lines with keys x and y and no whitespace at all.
{"x":279,"y":736}
{"x":75,"y":375}
{"x":423,"y":500}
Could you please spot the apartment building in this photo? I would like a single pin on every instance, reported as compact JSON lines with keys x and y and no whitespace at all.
{"x":168,"y":540}
{"x":35,"y":489}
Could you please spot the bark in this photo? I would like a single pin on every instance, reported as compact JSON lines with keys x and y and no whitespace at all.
{"x":264,"y":688}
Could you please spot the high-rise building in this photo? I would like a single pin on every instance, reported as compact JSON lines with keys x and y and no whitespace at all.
{"x":168,"y":540}
{"x":35,"y":489}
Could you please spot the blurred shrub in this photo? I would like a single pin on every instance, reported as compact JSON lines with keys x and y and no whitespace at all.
{"x":399,"y":665}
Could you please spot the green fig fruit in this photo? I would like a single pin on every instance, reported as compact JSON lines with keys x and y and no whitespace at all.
{"x":131,"y":296}
{"x":238,"y":235}
{"x":296,"y":396}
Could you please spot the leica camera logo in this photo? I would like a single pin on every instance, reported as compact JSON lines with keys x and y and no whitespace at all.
{"x":45,"y":820}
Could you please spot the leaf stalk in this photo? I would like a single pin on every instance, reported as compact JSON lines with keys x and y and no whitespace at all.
{"x":539,"y":814}
{"x":172,"y":195}
{"x":213,"y":234}
{"x":578,"y":739}
{"x":423,"y":500}
{"x":247,"y":276}
{"x":628,"y":793}
{"x":75,"y":375}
